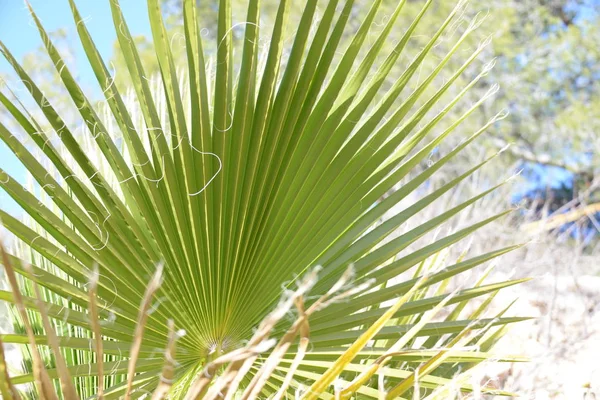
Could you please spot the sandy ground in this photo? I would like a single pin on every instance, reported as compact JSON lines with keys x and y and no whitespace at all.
{"x":563,"y":342}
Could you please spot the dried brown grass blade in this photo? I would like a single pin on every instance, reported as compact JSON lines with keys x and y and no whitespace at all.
{"x":66,"y":382}
{"x":139,"y":328}
{"x":260,"y":378}
{"x":8,"y":391}
{"x":42,"y":380}
{"x":168,"y":372}
{"x":200,"y":386}
{"x":235,"y":377}
{"x":300,"y":353}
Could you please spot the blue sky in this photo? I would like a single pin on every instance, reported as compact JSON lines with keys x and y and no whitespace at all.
{"x":17,"y":32}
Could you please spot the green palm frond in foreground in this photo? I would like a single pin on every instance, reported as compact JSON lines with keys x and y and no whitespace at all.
{"x":193,"y":206}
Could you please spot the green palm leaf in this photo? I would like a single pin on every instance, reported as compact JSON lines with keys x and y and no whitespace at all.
{"x":235,"y":183}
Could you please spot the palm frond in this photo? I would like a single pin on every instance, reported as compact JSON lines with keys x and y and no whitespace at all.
{"x":237,"y":181}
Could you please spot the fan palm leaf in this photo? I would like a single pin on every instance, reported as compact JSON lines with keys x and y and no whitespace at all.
{"x":233,"y":183}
